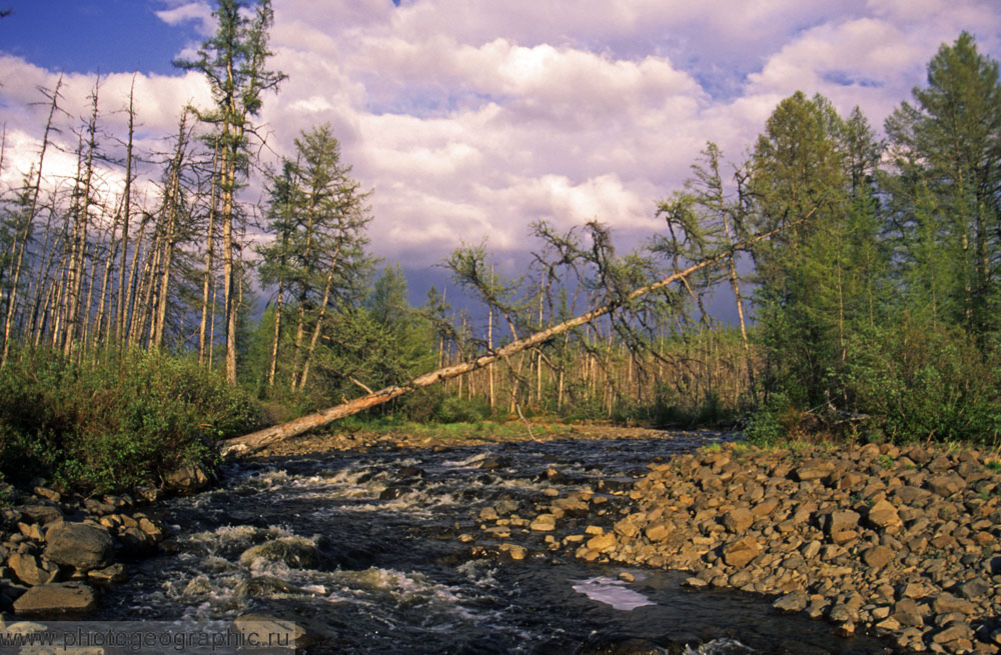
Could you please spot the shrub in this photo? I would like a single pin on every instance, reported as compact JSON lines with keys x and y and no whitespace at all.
{"x":769,"y":423}
{"x":458,"y":410}
{"x":925,"y":382}
{"x":122,"y":419}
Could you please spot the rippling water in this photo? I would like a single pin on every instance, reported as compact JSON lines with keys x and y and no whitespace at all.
{"x":370,"y":560}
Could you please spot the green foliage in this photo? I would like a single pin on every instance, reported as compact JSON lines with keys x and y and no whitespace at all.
{"x":461,"y":410}
{"x":918,"y":381}
{"x":770,"y":423}
{"x":121,"y":420}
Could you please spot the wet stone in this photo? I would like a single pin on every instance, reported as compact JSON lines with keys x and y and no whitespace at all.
{"x":69,"y":598}
{"x":294,"y":552}
{"x":795,"y":601}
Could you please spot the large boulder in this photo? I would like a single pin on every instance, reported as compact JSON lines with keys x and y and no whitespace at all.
{"x":68,"y":598}
{"x":82,"y":546}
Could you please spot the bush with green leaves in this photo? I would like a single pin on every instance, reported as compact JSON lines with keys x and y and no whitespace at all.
{"x":927,"y":382}
{"x":769,"y":423}
{"x":461,"y":410}
{"x":115,"y":421}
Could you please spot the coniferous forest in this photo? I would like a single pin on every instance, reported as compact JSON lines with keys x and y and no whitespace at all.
{"x":150,"y":305}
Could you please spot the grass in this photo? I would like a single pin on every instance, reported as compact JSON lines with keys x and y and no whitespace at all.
{"x":452,"y":432}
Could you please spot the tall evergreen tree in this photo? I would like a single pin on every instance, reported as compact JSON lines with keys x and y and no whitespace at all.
{"x":946,"y":149}
{"x":235,"y":63}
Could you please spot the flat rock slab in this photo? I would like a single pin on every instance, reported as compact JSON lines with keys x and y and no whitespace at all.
{"x":68,"y":598}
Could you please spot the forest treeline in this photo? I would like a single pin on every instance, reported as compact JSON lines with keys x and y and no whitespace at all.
{"x":130,"y":291}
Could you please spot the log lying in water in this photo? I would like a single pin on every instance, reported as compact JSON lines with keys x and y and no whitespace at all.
{"x":251,"y":443}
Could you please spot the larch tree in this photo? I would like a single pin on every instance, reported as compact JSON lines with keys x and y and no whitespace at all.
{"x":797,"y":170}
{"x":946,"y":182}
{"x":235,"y":63}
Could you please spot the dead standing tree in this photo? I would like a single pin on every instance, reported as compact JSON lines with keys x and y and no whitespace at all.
{"x":251,"y":443}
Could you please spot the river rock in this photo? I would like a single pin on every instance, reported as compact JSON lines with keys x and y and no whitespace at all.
{"x":741,"y":552}
{"x":842,"y":521}
{"x":795,"y":601}
{"x":188,"y":478}
{"x":738,"y":519}
{"x":394,"y":492}
{"x":947,"y":485}
{"x":114,"y":574}
{"x":812,"y":471}
{"x":658,"y":532}
{"x":947,"y":603}
{"x":883,"y":515}
{"x":907,"y":613}
{"x":602,"y":543}
{"x":543,"y":523}
{"x":67,"y":598}
{"x":877,"y":557}
{"x":911,"y":495}
{"x":31,"y":571}
{"x":975,"y":588}
{"x":289,"y":632}
{"x":627,"y":527}
{"x":79,"y":545}
{"x":294,"y":552}
{"x":411,"y":472}
{"x":40,"y":513}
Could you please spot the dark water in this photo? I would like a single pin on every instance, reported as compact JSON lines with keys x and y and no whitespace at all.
{"x":393,"y":578}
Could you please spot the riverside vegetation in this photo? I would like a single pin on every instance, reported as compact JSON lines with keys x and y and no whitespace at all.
{"x":871,"y":315}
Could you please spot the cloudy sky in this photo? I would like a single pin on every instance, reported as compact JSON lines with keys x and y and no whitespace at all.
{"x":473,"y":118}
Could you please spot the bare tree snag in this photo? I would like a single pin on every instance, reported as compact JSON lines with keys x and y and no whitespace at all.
{"x":251,"y":443}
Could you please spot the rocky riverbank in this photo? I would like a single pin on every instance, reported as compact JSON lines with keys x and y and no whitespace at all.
{"x":57,"y":551}
{"x":902,"y":542}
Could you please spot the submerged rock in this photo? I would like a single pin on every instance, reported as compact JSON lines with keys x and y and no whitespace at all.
{"x":266,"y":587}
{"x":294,"y":552}
{"x":617,"y":645}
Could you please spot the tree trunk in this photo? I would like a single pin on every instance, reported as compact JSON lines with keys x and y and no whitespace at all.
{"x":26,"y":232}
{"x":319,"y":319}
{"x":209,"y":252}
{"x":255,"y":441}
{"x":172,"y":204}
{"x":121,"y":304}
{"x":73,"y":313}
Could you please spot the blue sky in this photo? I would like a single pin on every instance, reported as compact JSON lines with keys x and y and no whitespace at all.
{"x":92,"y":35}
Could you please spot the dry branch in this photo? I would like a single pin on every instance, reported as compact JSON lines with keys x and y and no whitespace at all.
{"x":251,"y":443}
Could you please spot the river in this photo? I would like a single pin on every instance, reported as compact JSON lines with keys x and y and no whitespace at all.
{"x":374,"y":563}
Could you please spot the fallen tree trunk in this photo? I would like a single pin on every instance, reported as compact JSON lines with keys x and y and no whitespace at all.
{"x":251,"y":443}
